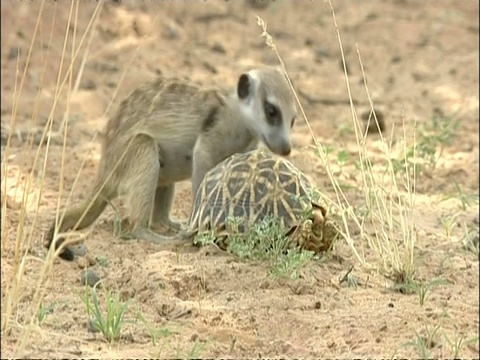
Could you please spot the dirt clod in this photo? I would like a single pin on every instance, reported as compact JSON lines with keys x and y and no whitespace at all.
{"x":374,"y":121}
{"x":90,"y":277}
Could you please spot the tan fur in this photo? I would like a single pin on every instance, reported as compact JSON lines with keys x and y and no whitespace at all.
{"x":170,"y":130}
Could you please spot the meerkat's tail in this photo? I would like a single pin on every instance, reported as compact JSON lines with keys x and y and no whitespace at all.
{"x":86,"y":213}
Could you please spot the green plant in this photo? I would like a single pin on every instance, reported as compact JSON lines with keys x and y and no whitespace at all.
{"x":110,"y":324}
{"x":471,"y":240}
{"x":465,"y":199}
{"x":290,"y":264}
{"x":102,"y":261}
{"x":431,"y":141}
{"x":420,"y":344}
{"x":117,"y":223}
{"x":424,"y":343}
{"x":441,"y":268}
{"x":342,"y":156}
{"x":428,"y":148}
{"x":458,"y":343}
{"x":264,"y":240}
{"x":204,"y":239}
{"x":154,"y":332}
{"x":44,"y":311}
{"x":422,"y":290}
{"x":449,"y":224}
{"x":436,"y":135}
{"x":196,"y":351}
{"x":349,"y":279}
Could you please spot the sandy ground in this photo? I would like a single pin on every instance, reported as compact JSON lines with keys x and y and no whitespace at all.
{"x":421,"y":62}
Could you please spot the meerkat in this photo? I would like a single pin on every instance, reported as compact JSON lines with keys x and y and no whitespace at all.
{"x":172,"y":130}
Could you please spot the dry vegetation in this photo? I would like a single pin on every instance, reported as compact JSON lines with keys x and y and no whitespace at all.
{"x":401,"y":282}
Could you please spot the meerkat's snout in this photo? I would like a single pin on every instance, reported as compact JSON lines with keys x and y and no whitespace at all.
{"x":278,"y":145}
{"x":286,"y":150}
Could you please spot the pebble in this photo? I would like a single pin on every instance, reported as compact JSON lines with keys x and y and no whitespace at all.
{"x":321,"y":53}
{"x":14,"y":53}
{"x":371,"y":127}
{"x":78,"y":249}
{"x":91,"y":327}
{"x":172,"y":32}
{"x":218,"y":48}
{"x":90,"y":277}
{"x":259,"y":4}
{"x":85,"y":262}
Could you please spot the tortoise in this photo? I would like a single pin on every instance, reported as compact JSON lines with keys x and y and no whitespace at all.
{"x":252,"y":186}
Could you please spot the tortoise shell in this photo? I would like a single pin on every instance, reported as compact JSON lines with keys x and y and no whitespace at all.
{"x":251,"y":186}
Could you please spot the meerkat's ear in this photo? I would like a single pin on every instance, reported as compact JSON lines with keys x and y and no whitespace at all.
{"x":244,"y":86}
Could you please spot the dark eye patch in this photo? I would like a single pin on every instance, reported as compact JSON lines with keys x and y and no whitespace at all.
{"x":273,"y":114}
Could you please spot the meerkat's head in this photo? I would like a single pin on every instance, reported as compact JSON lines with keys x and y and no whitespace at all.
{"x":267,"y":103}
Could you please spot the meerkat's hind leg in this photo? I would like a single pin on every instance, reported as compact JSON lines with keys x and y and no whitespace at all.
{"x":163,"y":204}
{"x":139,"y":183}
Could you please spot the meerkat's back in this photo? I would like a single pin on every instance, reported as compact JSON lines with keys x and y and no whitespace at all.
{"x":162,"y":106}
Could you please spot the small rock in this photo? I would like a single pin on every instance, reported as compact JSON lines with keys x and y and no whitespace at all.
{"x":127,"y":294}
{"x":259,"y":4}
{"x":371,"y":126}
{"x":103,"y":66}
{"x":128,"y":338}
{"x":90,"y":277}
{"x":218,"y":48}
{"x":92,"y":327}
{"x":210,"y":67}
{"x":422,"y":72}
{"x":78,"y":249}
{"x":14,"y":53}
{"x":85,"y":262}
{"x":89,"y":84}
{"x":371,"y":16}
{"x":396,"y":59}
{"x":321,"y":53}
{"x":172,"y":32}
{"x":82,"y":263}
{"x":318,"y":305}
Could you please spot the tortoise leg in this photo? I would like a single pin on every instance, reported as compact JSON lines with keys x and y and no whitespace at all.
{"x":310,"y":234}
{"x":324,"y":232}
{"x":301,"y":235}
{"x":318,"y":220}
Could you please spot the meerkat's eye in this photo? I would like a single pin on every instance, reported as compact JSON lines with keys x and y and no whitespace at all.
{"x":272,"y":113}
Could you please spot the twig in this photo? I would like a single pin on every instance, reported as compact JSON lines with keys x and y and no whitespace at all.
{"x":346,"y":275}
